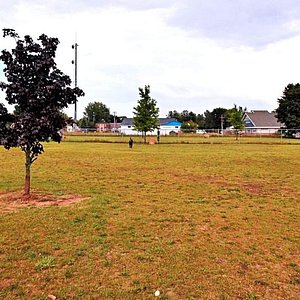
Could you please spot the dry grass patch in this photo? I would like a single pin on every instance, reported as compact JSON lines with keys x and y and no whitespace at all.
{"x":11,"y":201}
{"x":194,"y":221}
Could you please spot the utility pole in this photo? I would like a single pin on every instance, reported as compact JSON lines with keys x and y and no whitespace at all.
{"x":222,"y":124}
{"x":75,"y":62}
{"x":114,"y":121}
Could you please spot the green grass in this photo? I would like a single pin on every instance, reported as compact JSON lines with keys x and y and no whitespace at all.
{"x":197,"y":221}
{"x":181,"y":139}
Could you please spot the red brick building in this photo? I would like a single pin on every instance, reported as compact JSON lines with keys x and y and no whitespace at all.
{"x":108,"y":127}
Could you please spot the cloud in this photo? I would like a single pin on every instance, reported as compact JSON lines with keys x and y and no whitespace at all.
{"x":193,"y":56}
{"x":250,"y":22}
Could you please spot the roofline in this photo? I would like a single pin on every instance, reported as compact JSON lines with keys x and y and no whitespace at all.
{"x":264,"y":127}
{"x":246,"y":113}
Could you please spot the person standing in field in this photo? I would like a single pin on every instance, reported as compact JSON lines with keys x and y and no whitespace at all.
{"x":158,"y":136}
{"x":130,"y":143}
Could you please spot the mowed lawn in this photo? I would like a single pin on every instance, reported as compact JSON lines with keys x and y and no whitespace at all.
{"x":219,"y":221}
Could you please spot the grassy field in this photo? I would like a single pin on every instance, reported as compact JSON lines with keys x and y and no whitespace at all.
{"x":195,"y":221}
{"x":181,"y":139}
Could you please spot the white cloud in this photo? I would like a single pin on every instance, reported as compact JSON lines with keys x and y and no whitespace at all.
{"x":251,"y":22}
{"x":121,"y":49}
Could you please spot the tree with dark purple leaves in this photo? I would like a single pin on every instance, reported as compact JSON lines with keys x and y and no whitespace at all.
{"x":40,"y":90}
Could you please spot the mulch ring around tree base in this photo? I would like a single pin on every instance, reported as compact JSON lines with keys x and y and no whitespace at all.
{"x":11,"y":201}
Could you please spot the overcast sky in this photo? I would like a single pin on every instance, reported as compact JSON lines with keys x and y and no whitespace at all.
{"x":195,"y":54}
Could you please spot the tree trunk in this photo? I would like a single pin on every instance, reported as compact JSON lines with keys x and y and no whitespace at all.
{"x":27,"y":173}
{"x":145,"y":137}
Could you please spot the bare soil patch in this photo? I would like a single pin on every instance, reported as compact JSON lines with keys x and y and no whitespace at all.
{"x":252,"y":188}
{"x":11,"y":201}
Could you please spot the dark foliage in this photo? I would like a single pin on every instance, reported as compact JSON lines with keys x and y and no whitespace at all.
{"x":288,"y":111}
{"x":39,"y":90}
{"x":210,"y":120}
{"x":95,"y":112}
{"x":145,"y":113}
{"x":213,"y":118}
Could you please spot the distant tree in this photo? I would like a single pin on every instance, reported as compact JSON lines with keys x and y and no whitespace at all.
{"x":97,"y":112}
{"x":192,"y":117}
{"x":145,"y":113}
{"x":189,"y":126}
{"x":174,"y":114}
{"x":184,"y":116}
{"x":119,"y":119}
{"x":235,"y":117}
{"x":84,"y":123}
{"x":209,"y":120}
{"x":90,"y":118}
{"x":40,"y":91}
{"x":200,"y":120}
{"x":213,"y":118}
{"x":288,"y":111}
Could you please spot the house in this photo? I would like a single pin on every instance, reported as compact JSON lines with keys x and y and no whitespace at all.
{"x":72,"y":128}
{"x":108,"y":127}
{"x":166,"y":126}
{"x":261,"y":122}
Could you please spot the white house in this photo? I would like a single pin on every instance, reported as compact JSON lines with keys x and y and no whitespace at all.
{"x":166,"y":126}
{"x":72,"y":128}
{"x":261,"y":122}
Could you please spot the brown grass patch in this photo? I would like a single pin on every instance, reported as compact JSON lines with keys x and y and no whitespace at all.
{"x":11,"y":201}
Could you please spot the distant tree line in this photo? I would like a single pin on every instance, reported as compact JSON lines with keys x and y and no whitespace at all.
{"x":288,"y":112}
{"x":97,"y":112}
{"x":209,"y":120}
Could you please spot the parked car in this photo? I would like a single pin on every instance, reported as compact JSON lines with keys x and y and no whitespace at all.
{"x":200,"y":131}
